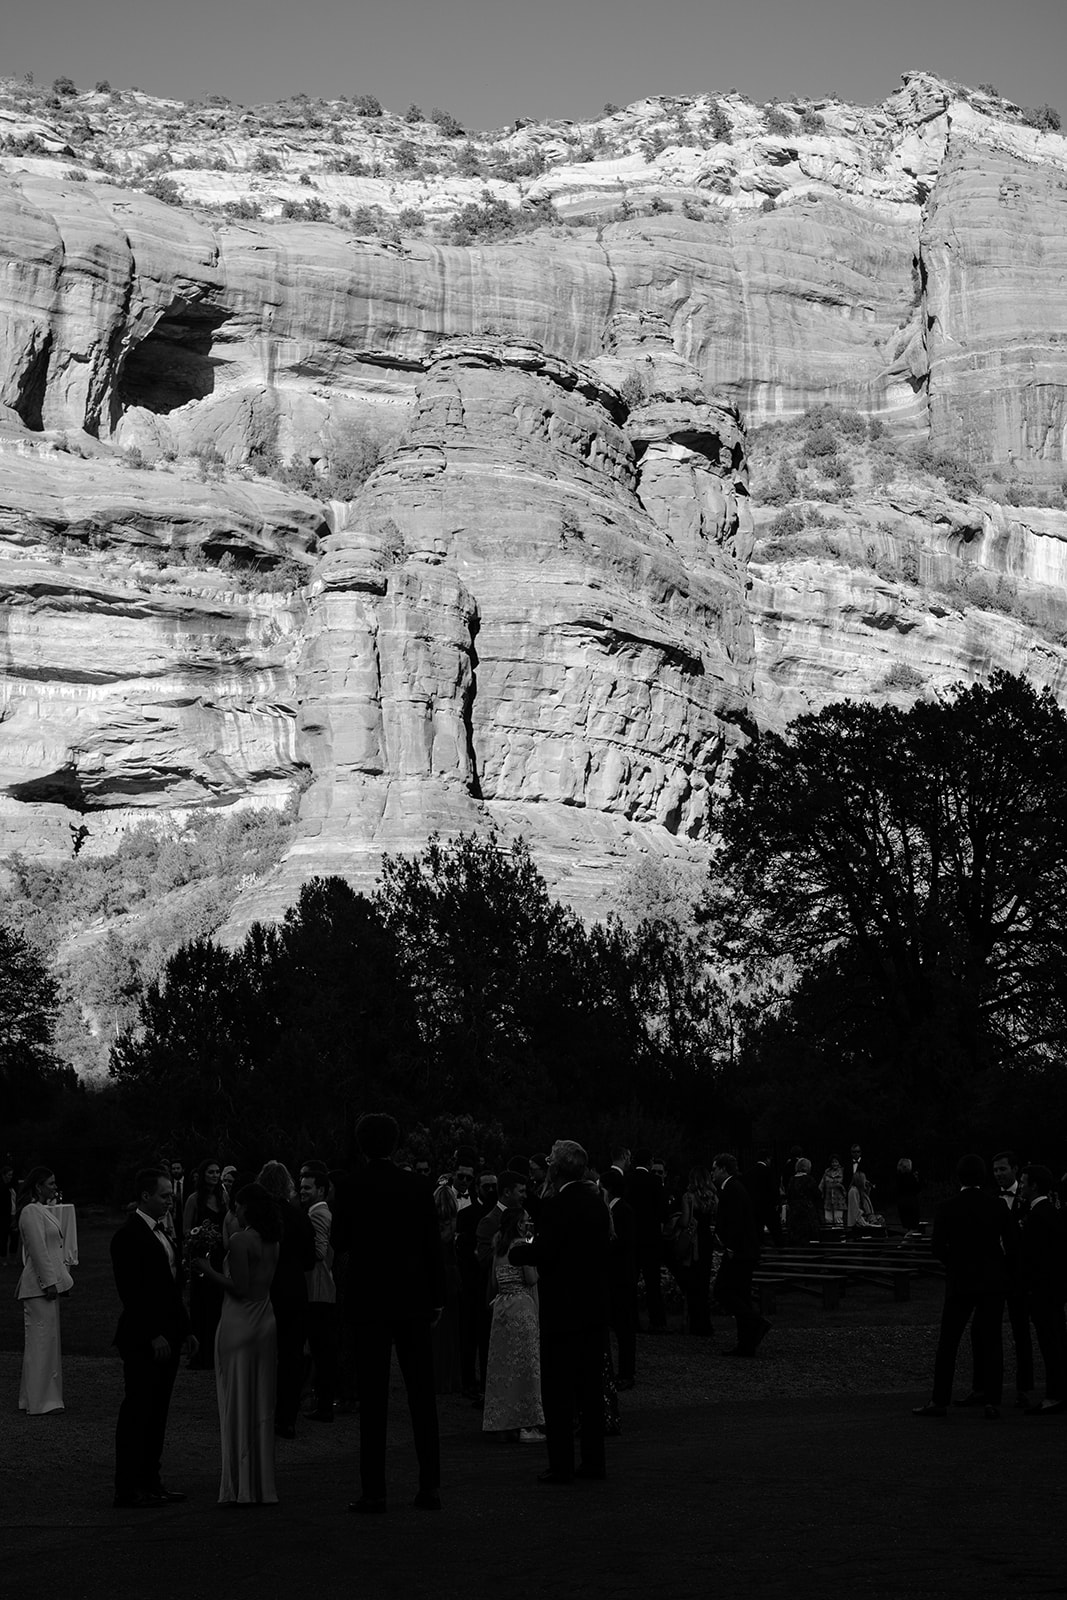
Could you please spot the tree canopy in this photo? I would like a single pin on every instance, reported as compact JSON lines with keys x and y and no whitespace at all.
{"x":29,"y":1071}
{"x":460,"y":987}
{"x":910,"y":866}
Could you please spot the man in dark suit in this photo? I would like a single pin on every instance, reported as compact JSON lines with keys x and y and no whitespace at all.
{"x":739,"y":1234}
{"x":622,"y":1276}
{"x":570,"y":1253}
{"x":473,"y":1339}
{"x":973,"y":1236}
{"x":1010,"y":1192}
{"x":175,"y":1221}
{"x":645,"y":1194}
{"x":1044,"y":1279}
{"x":397,"y":1272}
{"x":763,"y":1189}
{"x":150,"y":1333}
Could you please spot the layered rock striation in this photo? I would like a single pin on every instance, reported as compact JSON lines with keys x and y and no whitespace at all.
{"x":561,"y":598}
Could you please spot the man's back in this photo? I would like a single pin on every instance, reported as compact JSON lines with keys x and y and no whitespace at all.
{"x":646,"y":1197}
{"x":397,"y":1264}
{"x":974,"y":1238}
{"x":735,"y":1221}
{"x":571,"y":1255}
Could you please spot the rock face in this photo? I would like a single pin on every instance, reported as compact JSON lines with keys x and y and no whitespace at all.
{"x":556,"y":605}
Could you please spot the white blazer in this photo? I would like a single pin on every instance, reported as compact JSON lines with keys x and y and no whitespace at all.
{"x":42,"y":1248}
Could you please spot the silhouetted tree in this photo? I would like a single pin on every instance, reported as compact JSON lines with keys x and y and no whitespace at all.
{"x":912,"y":865}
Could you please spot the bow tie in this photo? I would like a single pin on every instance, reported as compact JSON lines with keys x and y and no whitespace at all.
{"x":161,"y":1227}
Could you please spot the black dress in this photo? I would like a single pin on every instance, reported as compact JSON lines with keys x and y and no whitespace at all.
{"x":908,"y":1200}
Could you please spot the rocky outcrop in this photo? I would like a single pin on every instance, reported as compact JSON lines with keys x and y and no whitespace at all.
{"x":555,"y":605}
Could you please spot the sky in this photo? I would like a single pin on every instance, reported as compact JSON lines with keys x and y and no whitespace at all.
{"x":490,"y":61}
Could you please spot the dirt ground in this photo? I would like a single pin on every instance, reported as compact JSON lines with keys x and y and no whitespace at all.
{"x":802,"y":1474}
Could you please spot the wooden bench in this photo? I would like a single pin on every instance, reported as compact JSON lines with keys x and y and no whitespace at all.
{"x":827,"y":1286}
{"x":857,"y":1265}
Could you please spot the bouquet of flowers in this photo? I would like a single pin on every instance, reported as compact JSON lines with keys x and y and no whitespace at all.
{"x":203,"y":1240}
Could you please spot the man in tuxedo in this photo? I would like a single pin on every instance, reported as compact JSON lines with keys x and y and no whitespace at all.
{"x":150,"y":1333}
{"x":739,"y":1234}
{"x":570,"y":1253}
{"x":974,"y":1237}
{"x":1044,"y":1280}
{"x":622,"y":1276}
{"x":854,"y":1164}
{"x":620,"y":1160}
{"x":321,"y":1320}
{"x":1011,"y":1194}
{"x":473,"y":1342}
{"x":646,"y":1196}
{"x":398,"y":1275}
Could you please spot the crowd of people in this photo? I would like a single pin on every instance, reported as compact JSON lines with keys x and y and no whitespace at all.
{"x":517,"y":1287}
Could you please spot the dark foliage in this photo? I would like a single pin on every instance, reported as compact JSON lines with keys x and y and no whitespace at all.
{"x":461,"y":986}
{"x":911,"y":869}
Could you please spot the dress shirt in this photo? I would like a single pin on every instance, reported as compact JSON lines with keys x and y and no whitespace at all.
{"x":159,"y":1229}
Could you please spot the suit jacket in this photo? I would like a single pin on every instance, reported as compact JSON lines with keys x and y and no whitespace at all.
{"x":396,"y":1265}
{"x":622,"y":1255}
{"x":487,"y":1227}
{"x":467,"y":1221}
{"x":1044,"y":1253}
{"x":735,"y":1221}
{"x":762,"y":1186}
{"x":42,"y":1243}
{"x":570,"y":1253}
{"x":645,"y":1195}
{"x":152,"y":1304}
{"x":296,"y":1258}
{"x":977,"y":1241}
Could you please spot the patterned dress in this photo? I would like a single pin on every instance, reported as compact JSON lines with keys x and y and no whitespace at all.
{"x":513,"y":1375}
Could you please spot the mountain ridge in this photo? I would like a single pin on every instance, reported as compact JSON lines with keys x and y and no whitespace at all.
{"x":524,"y":498}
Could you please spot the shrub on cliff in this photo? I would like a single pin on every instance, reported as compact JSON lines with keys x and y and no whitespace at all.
{"x":1046,"y":118}
{"x":367,"y":105}
{"x":64,"y":87}
{"x":716,"y":124}
{"x":165,"y":189}
{"x":491,"y":219}
{"x":958,"y":477}
{"x":447,"y":123}
{"x":777,"y":122}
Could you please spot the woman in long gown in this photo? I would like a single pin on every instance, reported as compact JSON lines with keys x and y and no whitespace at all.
{"x":513,"y":1371}
{"x":246,"y":1352}
{"x":44,"y":1278}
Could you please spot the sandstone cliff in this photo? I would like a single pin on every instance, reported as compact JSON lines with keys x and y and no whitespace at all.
{"x":563,"y":595}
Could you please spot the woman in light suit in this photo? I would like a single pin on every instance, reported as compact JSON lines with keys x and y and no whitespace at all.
{"x":44,"y":1279}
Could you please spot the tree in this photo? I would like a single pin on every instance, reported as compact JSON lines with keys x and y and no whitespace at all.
{"x":186,"y":1062}
{"x":29,"y":1072}
{"x":913,"y":866}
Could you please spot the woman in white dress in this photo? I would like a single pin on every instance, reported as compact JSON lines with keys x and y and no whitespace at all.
{"x":513,"y":1371}
{"x":44,"y":1278}
{"x":246,"y":1352}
